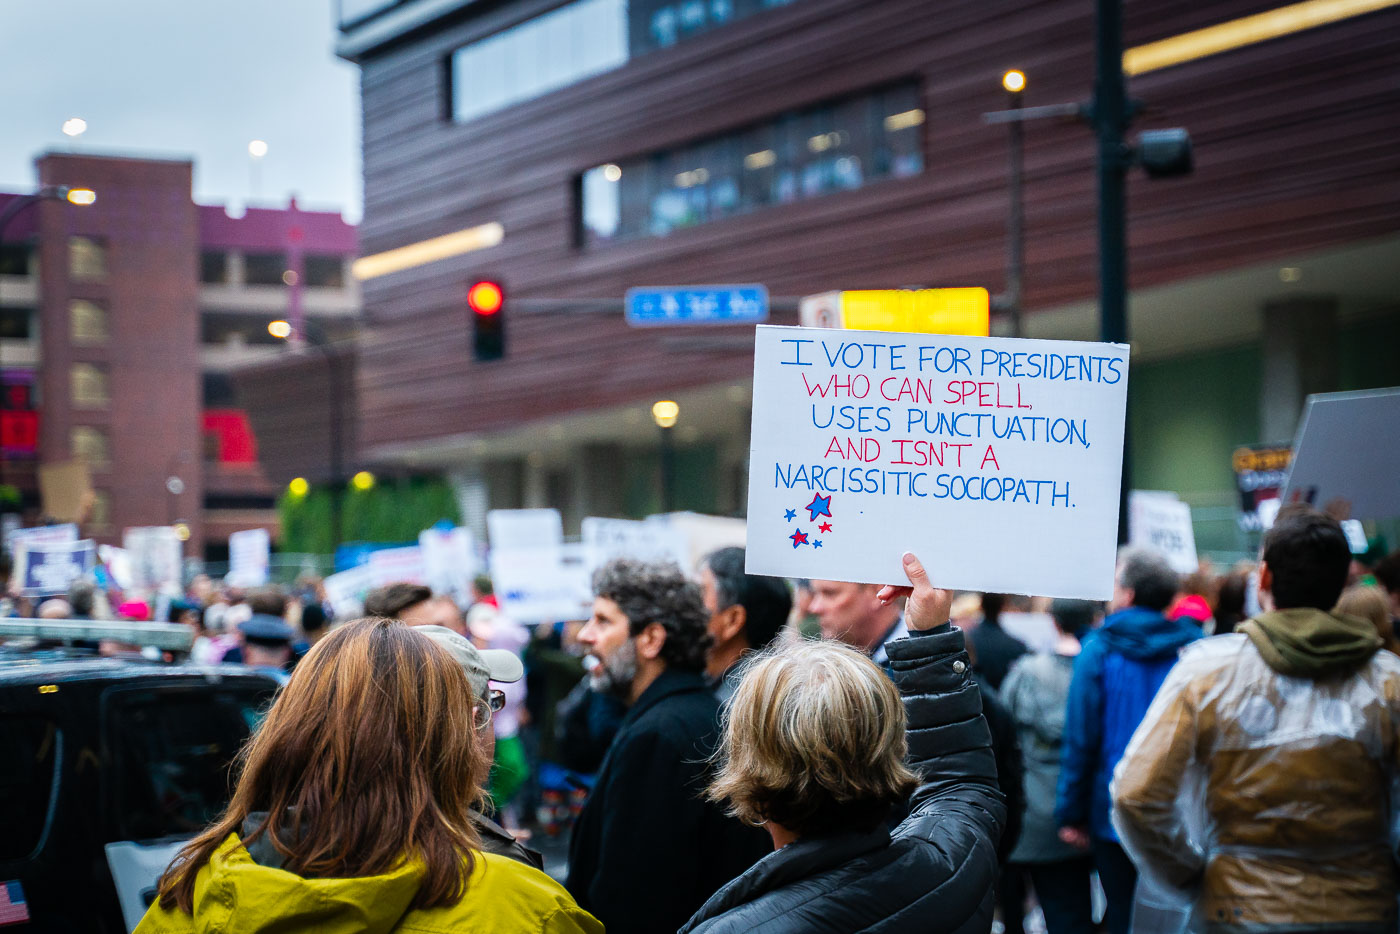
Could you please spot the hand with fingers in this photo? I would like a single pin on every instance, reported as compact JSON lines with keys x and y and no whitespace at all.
{"x":928,"y":606}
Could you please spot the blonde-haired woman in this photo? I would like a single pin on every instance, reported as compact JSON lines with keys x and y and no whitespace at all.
{"x":815,"y":750}
{"x":352,"y":810}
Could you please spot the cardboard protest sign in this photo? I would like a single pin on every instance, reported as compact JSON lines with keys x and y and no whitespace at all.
{"x":346,"y":590}
{"x":65,"y":490}
{"x":996,"y":461}
{"x":1162,"y":522}
{"x":449,"y":561}
{"x":397,"y":565}
{"x":1347,"y":447}
{"x":45,"y":569}
{"x":157,"y":557}
{"x":249,"y":554}
{"x":41,"y":535}
{"x":651,"y":540}
{"x":1261,"y":470}
{"x":543,"y":584}
{"x":524,"y":528}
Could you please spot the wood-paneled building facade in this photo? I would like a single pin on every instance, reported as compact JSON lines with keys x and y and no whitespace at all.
{"x":824,"y":144}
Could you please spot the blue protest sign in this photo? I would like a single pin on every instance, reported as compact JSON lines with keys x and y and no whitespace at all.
{"x":46,"y":569}
{"x":698,"y":304}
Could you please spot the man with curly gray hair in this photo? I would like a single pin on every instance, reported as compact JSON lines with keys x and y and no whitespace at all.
{"x":648,"y":850}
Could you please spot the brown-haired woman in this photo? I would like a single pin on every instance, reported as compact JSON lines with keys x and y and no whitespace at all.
{"x":352,"y":809}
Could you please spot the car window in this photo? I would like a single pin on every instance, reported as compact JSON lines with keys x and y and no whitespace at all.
{"x":28,"y":779}
{"x":171,"y":752}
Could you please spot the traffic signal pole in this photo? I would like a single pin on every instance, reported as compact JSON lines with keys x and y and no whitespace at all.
{"x":1111,"y":114}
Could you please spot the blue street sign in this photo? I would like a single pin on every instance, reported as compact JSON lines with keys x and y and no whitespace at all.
{"x":697,"y":304}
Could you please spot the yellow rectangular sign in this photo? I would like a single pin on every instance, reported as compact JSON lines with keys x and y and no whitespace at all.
{"x":927,"y":311}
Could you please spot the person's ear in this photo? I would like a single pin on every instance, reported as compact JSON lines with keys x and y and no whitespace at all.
{"x":728,"y":623}
{"x":650,"y":641}
{"x":1266,"y":578}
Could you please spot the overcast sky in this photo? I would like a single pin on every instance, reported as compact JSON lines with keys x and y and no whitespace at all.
{"x":187,"y":79}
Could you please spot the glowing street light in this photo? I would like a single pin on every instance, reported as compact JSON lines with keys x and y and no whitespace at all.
{"x":81,"y":196}
{"x":363,"y":481}
{"x":1014,"y":81}
{"x":298,"y":487}
{"x":74,"y":127}
{"x":257,"y":148}
{"x":279,"y":329}
{"x":665,"y":413}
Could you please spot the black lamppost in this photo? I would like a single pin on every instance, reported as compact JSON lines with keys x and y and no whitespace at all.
{"x":665,"y":413}
{"x":1015,"y":83}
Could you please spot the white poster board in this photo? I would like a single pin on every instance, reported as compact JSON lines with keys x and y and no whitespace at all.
{"x":346,"y":590}
{"x":449,"y":561}
{"x":543,"y":584}
{"x":1162,"y":522}
{"x":649,"y":540}
{"x":249,"y":554}
{"x":996,"y":461}
{"x":41,"y":535}
{"x":1347,"y":448}
{"x":397,"y":565}
{"x":156,"y":556}
{"x":46,"y":569}
{"x":524,"y":528}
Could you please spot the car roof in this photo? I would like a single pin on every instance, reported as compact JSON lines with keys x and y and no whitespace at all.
{"x":42,"y":667}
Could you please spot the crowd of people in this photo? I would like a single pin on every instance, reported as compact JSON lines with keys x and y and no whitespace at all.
{"x":1214,"y":752}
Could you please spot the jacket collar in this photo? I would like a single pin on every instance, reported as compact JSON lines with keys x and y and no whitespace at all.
{"x":796,"y":861}
{"x":668,"y":683}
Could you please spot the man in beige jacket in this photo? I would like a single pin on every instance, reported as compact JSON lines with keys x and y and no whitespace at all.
{"x":1261,"y":784}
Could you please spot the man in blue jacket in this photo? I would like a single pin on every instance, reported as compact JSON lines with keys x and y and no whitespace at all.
{"x":1117,"y":674}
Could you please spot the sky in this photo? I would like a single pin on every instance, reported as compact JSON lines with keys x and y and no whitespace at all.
{"x":194,"y":79}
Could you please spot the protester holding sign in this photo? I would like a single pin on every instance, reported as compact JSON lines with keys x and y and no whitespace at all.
{"x":815,"y":749}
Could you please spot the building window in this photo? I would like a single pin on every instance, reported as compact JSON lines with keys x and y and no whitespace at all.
{"x":16,"y":324}
{"x":574,"y":42}
{"x":834,"y":146}
{"x":324,"y":271}
{"x":87,"y":259}
{"x":14,"y":259}
{"x":264,"y":268}
{"x":87,"y":386}
{"x":89,"y":445}
{"x":87,"y":322}
{"x":213,"y":267}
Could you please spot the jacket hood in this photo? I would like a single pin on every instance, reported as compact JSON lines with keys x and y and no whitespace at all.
{"x":238,"y":895}
{"x":1144,"y":634}
{"x":1311,"y":643}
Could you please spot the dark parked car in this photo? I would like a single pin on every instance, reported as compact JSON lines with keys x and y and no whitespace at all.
{"x":105,"y":766}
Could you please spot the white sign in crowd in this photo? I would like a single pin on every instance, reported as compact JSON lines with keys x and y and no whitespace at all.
{"x":997,"y":461}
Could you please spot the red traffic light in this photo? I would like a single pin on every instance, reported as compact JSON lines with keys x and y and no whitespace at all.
{"x":485,"y":298}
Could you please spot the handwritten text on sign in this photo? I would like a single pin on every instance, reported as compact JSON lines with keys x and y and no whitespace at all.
{"x":997,"y":461}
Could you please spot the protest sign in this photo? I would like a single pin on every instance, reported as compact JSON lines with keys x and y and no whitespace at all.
{"x":346,"y":590}
{"x":65,"y":490}
{"x":1347,"y":447}
{"x":156,"y":557}
{"x":996,"y":461}
{"x":41,"y":535}
{"x":1162,"y":522}
{"x":652,"y":540}
{"x":397,"y":565}
{"x":45,"y":569}
{"x":249,"y":553}
{"x":524,"y":528}
{"x":449,"y":561}
{"x":542,"y":584}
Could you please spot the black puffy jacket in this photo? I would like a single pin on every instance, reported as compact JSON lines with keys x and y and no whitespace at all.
{"x":936,"y":871}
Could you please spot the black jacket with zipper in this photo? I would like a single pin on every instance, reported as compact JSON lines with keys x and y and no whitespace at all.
{"x":936,"y":871}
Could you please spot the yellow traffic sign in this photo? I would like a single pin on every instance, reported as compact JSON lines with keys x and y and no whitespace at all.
{"x":926,"y":311}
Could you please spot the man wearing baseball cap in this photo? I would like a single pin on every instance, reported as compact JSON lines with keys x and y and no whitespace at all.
{"x":482,"y":667}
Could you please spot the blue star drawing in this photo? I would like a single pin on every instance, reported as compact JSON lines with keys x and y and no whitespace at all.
{"x":819,"y":506}
{"x":790,"y":515}
{"x":816,"y":543}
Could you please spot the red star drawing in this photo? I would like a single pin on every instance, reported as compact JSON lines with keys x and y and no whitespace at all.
{"x":825,"y":526}
{"x":798,"y":538}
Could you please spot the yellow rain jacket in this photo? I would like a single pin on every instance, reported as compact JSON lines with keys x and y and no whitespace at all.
{"x":236,"y":895}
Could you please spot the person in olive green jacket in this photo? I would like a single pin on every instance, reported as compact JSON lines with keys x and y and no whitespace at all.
{"x":353,"y":809}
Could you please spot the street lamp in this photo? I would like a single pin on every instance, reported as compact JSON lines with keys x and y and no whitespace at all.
{"x":74,"y":127}
{"x":257,"y":149}
{"x":666,"y":413}
{"x":1014,"y":82}
{"x":315,"y":337}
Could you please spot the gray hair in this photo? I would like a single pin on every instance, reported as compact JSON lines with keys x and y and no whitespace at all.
{"x":659,"y":593}
{"x":1148,"y":575}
